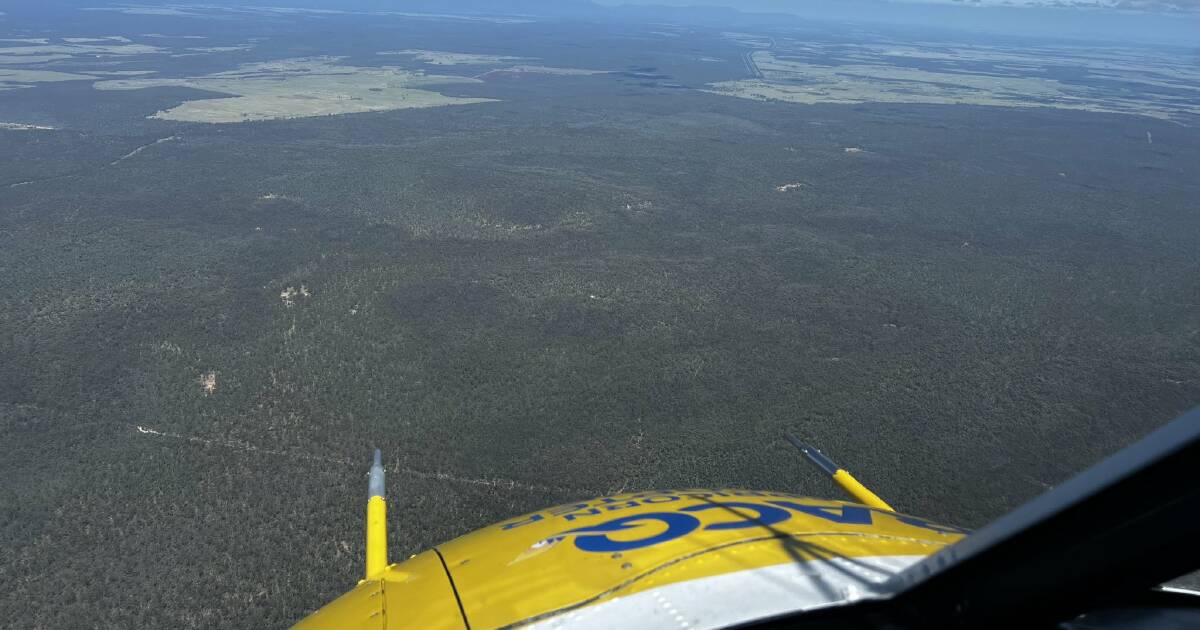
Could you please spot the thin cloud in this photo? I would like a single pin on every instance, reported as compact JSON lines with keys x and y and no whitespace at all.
{"x":1148,"y":6}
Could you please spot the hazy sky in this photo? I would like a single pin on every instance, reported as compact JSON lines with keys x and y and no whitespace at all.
{"x":1175,"y":22}
{"x":1125,"y":6}
{"x":1169,"y":6}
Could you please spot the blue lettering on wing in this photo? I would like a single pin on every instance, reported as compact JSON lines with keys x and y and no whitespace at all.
{"x":574,"y":515}
{"x":844,"y":514}
{"x":595,"y":537}
{"x":532,"y":519}
{"x":767,"y":515}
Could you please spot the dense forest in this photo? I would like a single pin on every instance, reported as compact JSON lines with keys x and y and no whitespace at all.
{"x":598,"y":283}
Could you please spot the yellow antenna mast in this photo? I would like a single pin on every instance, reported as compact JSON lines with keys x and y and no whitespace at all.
{"x":376,"y":520}
{"x":840,"y":476}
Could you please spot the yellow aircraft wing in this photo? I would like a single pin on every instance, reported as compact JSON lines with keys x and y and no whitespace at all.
{"x":700,"y":557}
{"x":1094,"y":548}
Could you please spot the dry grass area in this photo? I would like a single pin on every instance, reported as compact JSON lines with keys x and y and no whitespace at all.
{"x":17,"y":79}
{"x":121,"y":73}
{"x":443,"y":58}
{"x":114,"y":46}
{"x":290,"y":295}
{"x":30,"y":53}
{"x":875,"y":74}
{"x":299,"y":88}
{"x":23,"y":127}
{"x":566,"y":72}
{"x":147,"y":10}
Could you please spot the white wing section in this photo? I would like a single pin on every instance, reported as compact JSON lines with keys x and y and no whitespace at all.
{"x":723,"y":600}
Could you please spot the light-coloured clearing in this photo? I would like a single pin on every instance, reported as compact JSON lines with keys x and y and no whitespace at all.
{"x":298,"y":88}
{"x":144,"y":10}
{"x":221,"y":49}
{"x":208,"y":383}
{"x":443,"y":58}
{"x":29,"y":59}
{"x":16,"y":79}
{"x":274,"y":196}
{"x":23,"y":127}
{"x":98,"y":40}
{"x":110,"y":49}
{"x":290,"y":295}
{"x":748,"y":39}
{"x":543,"y":70}
{"x":581,"y":72}
{"x":797,"y":81}
{"x":121,"y":73}
{"x":40,"y":51}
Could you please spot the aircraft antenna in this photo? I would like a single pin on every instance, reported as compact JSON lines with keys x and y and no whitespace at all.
{"x":376,"y":519}
{"x":840,"y":476}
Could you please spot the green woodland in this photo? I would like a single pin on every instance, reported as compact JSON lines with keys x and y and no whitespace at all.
{"x":593,"y":285}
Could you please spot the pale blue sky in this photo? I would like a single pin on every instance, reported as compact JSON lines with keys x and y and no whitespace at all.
{"x":1175,"y":22}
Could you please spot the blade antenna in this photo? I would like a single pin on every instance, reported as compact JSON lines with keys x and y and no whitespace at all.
{"x":840,"y":476}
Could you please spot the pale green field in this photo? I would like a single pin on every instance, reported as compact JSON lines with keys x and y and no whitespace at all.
{"x":802,"y":73}
{"x":16,"y":79}
{"x":302,"y":87}
{"x":35,"y":54}
{"x":443,"y":58}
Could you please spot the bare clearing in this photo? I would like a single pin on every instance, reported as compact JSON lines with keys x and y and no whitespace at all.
{"x":16,"y":79}
{"x":208,"y":383}
{"x":147,"y":10}
{"x":290,"y":295}
{"x":23,"y":127}
{"x":40,"y":51}
{"x":98,"y":40}
{"x":522,"y":71}
{"x":122,"y":73}
{"x":443,"y":58}
{"x":298,"y":88}
{"x":29,"y":59}
{"x":96,"y":48}
{"x":220,"y":49}
{"x":887,"y":74}
{"x":556,"y":71}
